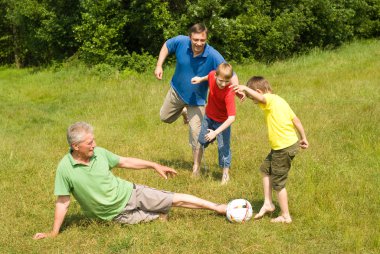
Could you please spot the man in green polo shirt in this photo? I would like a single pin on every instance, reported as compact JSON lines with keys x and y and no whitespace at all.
{"x":85,"y":172}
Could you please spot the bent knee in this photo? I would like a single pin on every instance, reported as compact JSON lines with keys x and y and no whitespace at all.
{"x":166,"y":119}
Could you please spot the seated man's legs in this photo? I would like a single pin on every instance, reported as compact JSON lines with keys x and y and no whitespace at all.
{"x":145,"y":204}
{"x":148,"y":204}
{"x":193,"y":202}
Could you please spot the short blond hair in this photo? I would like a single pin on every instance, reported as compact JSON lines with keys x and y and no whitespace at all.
{"x":225,"y":70}
{"x":259,"y":82}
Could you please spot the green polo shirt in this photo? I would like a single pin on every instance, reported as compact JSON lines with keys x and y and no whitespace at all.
{"x":99,"y":193}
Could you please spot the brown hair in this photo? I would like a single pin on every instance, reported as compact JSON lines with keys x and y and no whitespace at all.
{"x":225,"y":70}
{"x":198,"y":28}
{"x":259,"y":82}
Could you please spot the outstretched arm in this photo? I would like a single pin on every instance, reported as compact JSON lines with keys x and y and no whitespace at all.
{"x":134,"y":163}
{"x":197,"y":80}
{"x":252,"y":94}
{"x":303,"y":142}
{"x":164,"y":52}
{"x":61,"y":206}
{"x":234,"y":83}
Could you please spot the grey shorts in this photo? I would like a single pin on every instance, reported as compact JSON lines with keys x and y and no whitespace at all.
{"x":277,"y":165}
{"x":145,"y":204}
{"x":172,"y":109}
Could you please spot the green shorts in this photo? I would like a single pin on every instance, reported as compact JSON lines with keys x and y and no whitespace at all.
{"x":277,"y":165}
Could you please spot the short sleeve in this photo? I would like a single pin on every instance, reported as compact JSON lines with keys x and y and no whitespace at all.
{"x":112,"y":159}
{"x":173,"y":43}
{"x":230,"y":103}
{"x":62,"y":184}
{"x":292,"y":115}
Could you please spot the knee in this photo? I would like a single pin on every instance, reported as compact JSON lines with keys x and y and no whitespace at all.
{"x":166,"y":119}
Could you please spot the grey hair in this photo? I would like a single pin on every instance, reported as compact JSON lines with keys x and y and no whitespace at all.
{"x":77,"y":131}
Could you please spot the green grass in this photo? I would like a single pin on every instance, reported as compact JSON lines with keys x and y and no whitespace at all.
{"x":333,"y":186}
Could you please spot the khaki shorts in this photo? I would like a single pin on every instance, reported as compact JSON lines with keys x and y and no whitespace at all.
{"x":277,"y":165}
{"x":145,"y":204}
{"x":171,"y":110}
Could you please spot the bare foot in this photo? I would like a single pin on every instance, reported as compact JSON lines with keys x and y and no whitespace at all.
{"x":184,"y":116}
{"x":196,"y":173}
{"x":282,"y":219}
{"x":264,"y":210}
{"x":225,"y":178}
{"x":164,"y":217}
{"x":221,"y":209}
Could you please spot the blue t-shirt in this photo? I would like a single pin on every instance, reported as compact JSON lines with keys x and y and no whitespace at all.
{"x":188,"y":67}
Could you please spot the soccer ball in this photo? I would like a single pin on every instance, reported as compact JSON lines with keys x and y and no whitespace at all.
{"x":239,"y":211}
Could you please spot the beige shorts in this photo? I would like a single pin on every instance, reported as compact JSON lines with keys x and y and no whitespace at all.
{"x":145,"y":204}
{"x":172,"y":109}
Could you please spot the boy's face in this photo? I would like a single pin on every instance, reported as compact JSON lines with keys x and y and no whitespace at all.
{"x":222,"y":81}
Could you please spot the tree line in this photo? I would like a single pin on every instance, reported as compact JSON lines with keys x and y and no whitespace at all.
{"x":130,"y":33}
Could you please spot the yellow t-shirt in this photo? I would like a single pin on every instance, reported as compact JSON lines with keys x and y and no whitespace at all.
{"x":278,"y":117}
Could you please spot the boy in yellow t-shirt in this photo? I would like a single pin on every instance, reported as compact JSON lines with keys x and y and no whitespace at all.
{"x":283,"y":126}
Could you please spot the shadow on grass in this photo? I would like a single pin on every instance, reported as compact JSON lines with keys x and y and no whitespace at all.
{"x":257,"y":204}
{"x":187,"y":165}
{"x":212,"y":171}
{"x":80,"y":220}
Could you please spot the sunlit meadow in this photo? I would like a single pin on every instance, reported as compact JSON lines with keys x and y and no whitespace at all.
{"x":333,"y":186}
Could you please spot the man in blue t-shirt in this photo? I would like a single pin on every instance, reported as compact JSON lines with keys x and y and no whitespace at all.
{"x":194,"y":58}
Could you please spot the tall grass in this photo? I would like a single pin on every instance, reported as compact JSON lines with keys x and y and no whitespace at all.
{"x":333,"y":186}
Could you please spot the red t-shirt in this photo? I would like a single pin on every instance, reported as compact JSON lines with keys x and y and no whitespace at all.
{"x":221,"y":102}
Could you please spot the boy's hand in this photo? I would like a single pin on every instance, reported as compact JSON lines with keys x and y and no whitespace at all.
{"x":304,"y":143}
{"x":196,"y":80}
{"x":210,"y":135}
{"x":239,"y":90}
{"x":241,"y":95}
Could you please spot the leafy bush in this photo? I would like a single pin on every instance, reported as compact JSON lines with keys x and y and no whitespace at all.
{"x":128,"y":33}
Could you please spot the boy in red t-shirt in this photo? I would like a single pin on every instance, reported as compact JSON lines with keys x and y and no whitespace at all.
{"x":220,"y":114}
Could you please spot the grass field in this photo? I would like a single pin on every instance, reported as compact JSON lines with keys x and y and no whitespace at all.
{"x":333,"y":186}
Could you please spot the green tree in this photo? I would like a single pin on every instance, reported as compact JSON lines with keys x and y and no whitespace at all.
{"x":100,"y":31}
{"x":36,"y":32}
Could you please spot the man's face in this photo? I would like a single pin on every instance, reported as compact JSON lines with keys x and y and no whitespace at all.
{"x":222,"y":81}
{"x":86,"y":147}
{"x":198,"y":42}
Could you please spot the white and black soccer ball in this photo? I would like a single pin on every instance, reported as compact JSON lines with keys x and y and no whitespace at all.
{"x":239,"y":211}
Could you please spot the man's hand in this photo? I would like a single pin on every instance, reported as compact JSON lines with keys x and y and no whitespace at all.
{"x":164,"y":171}
{"x":158,"y":72}
{"x":40,"y":236}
